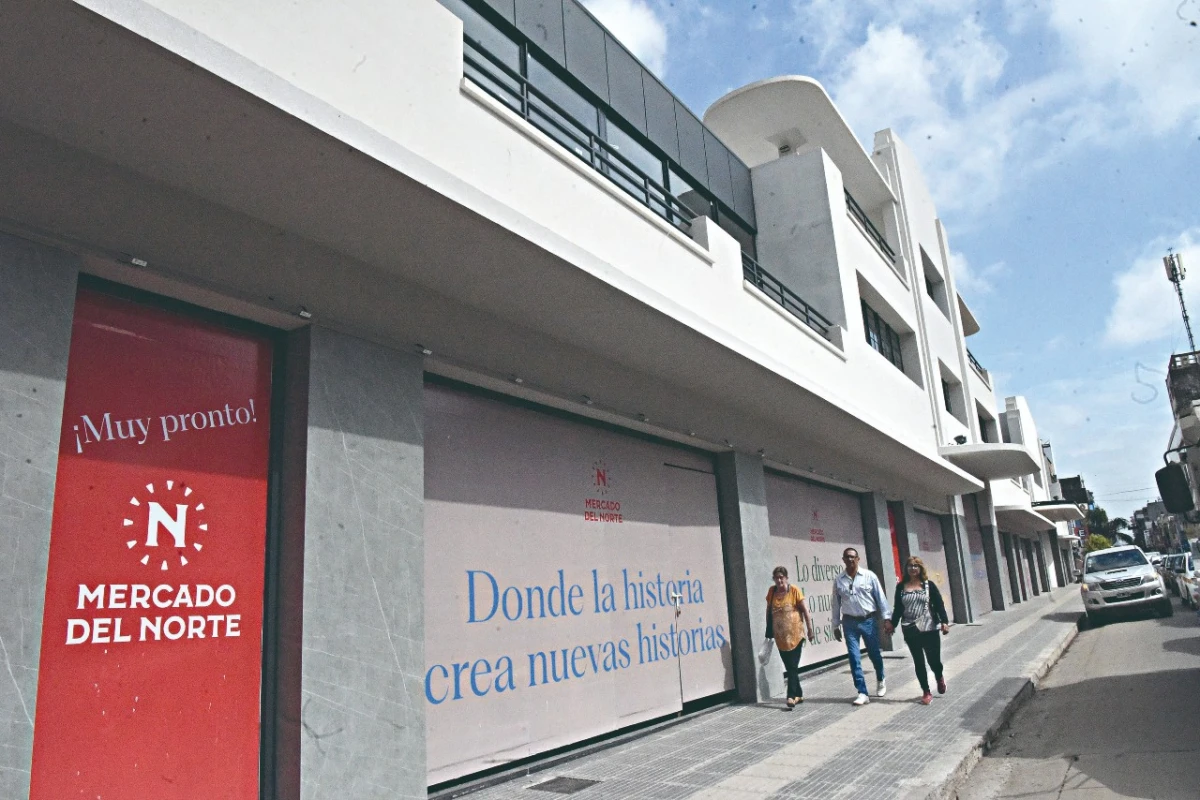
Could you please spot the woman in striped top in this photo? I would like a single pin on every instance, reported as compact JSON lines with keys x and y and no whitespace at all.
{"x":920,"y":607}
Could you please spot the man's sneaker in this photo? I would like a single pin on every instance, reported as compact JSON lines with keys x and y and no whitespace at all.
{"x":881,"y":688}
{"x":941,"y":685}
{"x":926,"y":699}
{"x":861,"y":700}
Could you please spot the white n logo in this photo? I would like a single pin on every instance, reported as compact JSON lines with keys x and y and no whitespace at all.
{"x":176,"y":525}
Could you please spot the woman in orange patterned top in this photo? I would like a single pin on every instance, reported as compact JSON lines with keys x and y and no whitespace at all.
{"x":788,"y":621}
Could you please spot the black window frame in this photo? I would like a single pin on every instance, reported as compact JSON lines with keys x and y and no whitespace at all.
{"x":882,"y":337}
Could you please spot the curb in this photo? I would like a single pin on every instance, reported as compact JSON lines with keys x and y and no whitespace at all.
{"x":958,"y":776}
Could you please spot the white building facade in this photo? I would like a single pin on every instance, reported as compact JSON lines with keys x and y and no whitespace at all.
{"x":424,"y":388}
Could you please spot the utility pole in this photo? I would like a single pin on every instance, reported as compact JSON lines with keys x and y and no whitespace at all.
{"x":1175,"y":274}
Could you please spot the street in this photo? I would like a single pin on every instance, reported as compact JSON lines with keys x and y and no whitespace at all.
{"x":1118,"y":716}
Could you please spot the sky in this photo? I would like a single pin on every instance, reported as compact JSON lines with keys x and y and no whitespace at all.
{"x":1061,"y":141}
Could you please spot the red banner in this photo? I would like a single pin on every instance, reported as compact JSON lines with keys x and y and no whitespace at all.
{"x":152,"y":633}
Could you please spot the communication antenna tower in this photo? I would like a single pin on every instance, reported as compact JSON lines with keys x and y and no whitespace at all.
{"x":1175,"y":274}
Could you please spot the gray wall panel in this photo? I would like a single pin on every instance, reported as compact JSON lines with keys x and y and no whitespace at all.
{"x":691,"y":143}
{"x":363,"y":712}
{"x":542,"y":22}
{"x":625,"y":85}
{"x":37,"y":295}
{"x":586,"y":57}
{"x":660,"y":116}
{"x":743,"y":190}
{"x":717,"y":157}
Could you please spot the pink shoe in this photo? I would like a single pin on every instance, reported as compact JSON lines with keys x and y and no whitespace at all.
{"x":926,"y":699}
{"x":941,"y":685}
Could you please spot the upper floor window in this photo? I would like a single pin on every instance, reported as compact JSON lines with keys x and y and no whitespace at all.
{"x":935,"y":284}
{"x":882,"y":337}
{"x":947,"y":398}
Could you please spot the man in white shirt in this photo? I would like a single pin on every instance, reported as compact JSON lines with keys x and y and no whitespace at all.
{"x":858,"y":604}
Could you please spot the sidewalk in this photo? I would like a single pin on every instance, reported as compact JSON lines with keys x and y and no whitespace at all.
{"x":827,"y":749}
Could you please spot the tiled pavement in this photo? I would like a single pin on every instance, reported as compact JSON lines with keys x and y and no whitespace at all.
{"x":827,"y":749}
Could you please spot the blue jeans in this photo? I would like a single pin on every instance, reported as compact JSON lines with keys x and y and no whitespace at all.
{"x":868,"y":631}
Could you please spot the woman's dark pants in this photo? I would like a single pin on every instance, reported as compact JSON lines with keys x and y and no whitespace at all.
{"x":791,"y":670}
{"x":924,"y":645}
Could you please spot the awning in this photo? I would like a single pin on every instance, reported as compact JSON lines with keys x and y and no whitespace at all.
{"x":1021,"y":519}
{"x":991,"y":461}
{"x":1059,"y":511}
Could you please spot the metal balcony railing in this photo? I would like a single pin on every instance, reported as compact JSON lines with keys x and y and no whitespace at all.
{"x":979,"y":370}
{"x":857,"y":212}
{"x":791,"y":302}
{"x":515,"y":90}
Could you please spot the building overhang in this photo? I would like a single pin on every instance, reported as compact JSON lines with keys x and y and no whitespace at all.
{"x":990,"y":461}
{"x":755,"y":120}
{"x":1021,"y":519}
{"x":969,"y":323}
{"x":1059,"y":511}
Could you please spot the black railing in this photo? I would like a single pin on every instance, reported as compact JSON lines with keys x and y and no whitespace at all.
{"x":979,"y":370}
{"x":515,"y":90}
{"x":791,"y":302}
{"x":857,"y":212}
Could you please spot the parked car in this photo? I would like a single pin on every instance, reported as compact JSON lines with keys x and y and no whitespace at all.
{"x":1188,"y":581}
{"x":1169,"y":569}
{"x":1122,"y":578}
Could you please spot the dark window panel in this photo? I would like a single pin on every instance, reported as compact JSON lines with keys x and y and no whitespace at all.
{"x":691,"y":144}
{"x":743,"y":191}
{"x":572,"y":130}
{"x":542,"y":22}
{"x":625,"y":85}
{"x":585,"y":49}
{"x":717,"y":158}
{"x":660,"y":116}
{"x":687,"y":194}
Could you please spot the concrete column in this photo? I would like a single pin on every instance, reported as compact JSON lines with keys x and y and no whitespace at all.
{"x":906,"y":529}
{"x":1044,"y":554}
{"x":37,"y":302}
{"x":991,"y":547}
{"x":1060,"y":572}
{"x":362,"y":711}
{"x":1017,"y":551}
{"x":877,"y":538}
{"x":1033,"y":563}
{"x":745,"y":538}
{"x":962,"y":601}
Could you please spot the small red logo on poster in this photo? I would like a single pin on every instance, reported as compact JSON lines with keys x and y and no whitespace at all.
{"x":601,"y":477}
{"x":816,"y":533}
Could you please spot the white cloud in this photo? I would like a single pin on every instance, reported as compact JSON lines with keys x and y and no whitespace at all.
{"x":1145,"y":51}
{"x":637,"y":27}
{"x":1146,"y":308}
{"x":972,"y":102}
{"x":972,"y":281}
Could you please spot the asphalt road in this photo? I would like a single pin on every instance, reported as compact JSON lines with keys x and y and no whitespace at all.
{"x":1117,"y":717}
